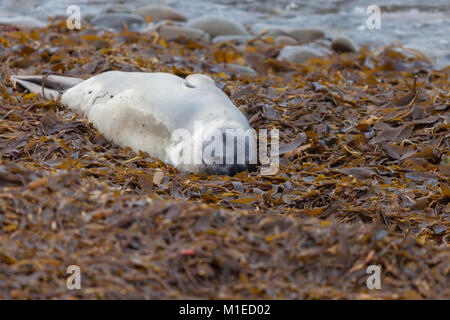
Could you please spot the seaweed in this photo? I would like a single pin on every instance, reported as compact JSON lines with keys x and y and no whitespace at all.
{"x":363,"y":178}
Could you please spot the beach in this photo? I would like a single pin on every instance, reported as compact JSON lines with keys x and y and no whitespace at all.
{"x":363,"y":177}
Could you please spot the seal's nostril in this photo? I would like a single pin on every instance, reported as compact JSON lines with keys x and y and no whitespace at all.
{"x":189,"y":85}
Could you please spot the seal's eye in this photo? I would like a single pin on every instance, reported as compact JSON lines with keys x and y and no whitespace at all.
{"x":189,"y":85}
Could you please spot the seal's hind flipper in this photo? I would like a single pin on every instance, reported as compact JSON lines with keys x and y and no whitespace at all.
{"x":51,"y":86}
{"x":36,"y":88}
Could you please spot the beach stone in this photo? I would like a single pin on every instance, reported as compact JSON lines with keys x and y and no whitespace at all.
{"x":160,"y":12}
{"x":216,"y":26}
{"x":88,"y":17}
{"x":156,"y":25}
{"x":285,"y":40}
{"x":83,"y":21}
{"x":343,"y":45}
{"x":298,"y":54}
{"x":117,"y":8}
{"x":274,"y":32}
{"x":240,"y":39}
{"x":171,"y":32}
{"x":22,"y":21}
{"x":242,"y":69}
{"x":306,"y":34}
{"x":116,"y":20}
{"x":301,"y":34}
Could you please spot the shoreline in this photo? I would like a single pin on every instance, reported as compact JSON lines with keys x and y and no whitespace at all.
{"x":415,"y":25}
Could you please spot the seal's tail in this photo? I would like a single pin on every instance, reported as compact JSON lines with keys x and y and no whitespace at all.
{"x":50,"y":87}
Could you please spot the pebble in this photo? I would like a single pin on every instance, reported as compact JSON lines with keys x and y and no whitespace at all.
{"x":116,"y":20}
{"x":285,"y":40}
{"x":117,"y":8}
{"x":216,"y":26}
{"x":343,"y":45}
{"x":268,"y":31}
{"x":155,"y":25}
{"x":305,"y":34}
{"x":160,"y":12}
{"x":298,"y":54}
{"x":22,"y":21}
{"x":239,"y":39}
{"x":88,"y":17}
{"x":242,"y":69}
{"x":171,"y":32}
{"x":301,"y":34}
{"x":83,"y":21}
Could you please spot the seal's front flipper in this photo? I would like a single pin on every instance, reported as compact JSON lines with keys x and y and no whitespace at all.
{"x":50,"y":86}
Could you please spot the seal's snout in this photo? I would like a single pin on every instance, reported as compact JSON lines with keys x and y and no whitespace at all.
{"x":230,"y":169}
{"x":233,"y":152}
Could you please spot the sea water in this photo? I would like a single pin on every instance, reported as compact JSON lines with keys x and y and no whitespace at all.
{"x":418,"y":24}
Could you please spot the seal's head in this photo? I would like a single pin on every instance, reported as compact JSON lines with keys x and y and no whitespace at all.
{"x":214,"y":136}
{"x":216,"y":148}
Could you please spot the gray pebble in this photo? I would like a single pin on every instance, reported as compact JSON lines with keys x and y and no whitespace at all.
{"x":160,"y":12}
{"x":117,"y":8}
{"x":298,"y":54}
{"x":216,"y":26}
{"x":306,"y":34}
{"x":116,"y":20}
{"x":240,"y":39}
{"x":171,"y":32}
{"x":242,"y":69}
{"x":22,"y":21}
{"x":343,"y":45}
{"x":286,"y":40}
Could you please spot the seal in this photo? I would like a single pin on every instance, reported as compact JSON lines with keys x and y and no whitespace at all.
{"x":189,"y":123}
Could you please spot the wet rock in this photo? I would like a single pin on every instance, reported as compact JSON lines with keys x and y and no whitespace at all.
{"x":274,"y":32}
{"x":285,"y":40}
{"x":241,"y":69}
{"x":84,"y":19}
{"x":88,"y":17}
{"x":155,"y":26}
{"x":116,"y":21}
{"x":298,"y":54}
{"x":171,"y":32}
{"x":343,"y":45}
{"x":160,"y":12}
{"x":216,"y":26}
{"x":22,"y":21}
{"x":239,"y":39}
{"x":302,"y":34}
{"x":117,"y":8}
{"x":305,"y":34}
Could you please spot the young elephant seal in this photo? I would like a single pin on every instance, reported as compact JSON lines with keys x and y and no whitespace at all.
{"x":153,"y":112}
